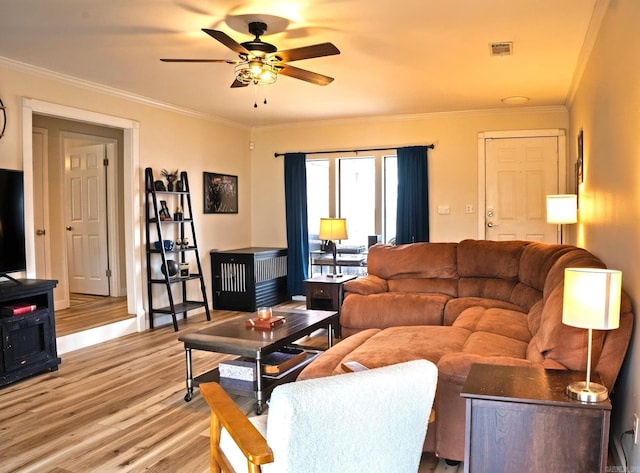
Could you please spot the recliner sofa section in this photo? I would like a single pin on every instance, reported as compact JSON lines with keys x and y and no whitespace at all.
{"x":456,"y":304}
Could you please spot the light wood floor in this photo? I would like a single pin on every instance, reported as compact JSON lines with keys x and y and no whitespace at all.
{"x":118,"y":407}
{"x":87,"y":311}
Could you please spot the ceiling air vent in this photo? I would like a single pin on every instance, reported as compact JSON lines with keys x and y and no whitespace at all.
{"x":504,"y":48}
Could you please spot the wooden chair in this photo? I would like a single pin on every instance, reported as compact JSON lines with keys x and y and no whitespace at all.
{"x":374,"y":421}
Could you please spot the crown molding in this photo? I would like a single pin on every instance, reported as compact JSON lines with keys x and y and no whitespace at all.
{"x":111,"y":91}
{"x":417,"y":117}
{"x":599,"y":12}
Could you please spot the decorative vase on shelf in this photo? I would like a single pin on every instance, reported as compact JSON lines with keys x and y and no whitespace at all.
{"x":171,"y":177}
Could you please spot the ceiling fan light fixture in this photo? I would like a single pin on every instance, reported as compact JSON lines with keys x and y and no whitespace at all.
{"x":256,"y":72}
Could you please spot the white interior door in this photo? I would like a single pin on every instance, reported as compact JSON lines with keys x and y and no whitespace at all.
{"x":86,"y":220}
{"x":520,"y":173}
{"x":40,"y":139}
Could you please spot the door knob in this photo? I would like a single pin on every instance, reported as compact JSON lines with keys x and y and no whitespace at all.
{"x":68,"y":228}
{"x":40,"y":232}
{"x":491,"y":224}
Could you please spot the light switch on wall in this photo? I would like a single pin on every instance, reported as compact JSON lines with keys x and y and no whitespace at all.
{"x":443,"y":209}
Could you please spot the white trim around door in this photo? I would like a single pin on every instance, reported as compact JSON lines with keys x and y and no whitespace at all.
{"x":132,"y":191}
{"x":483,"y":136}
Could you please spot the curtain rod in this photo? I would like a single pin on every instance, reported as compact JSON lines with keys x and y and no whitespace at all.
{"x":276,"y":155}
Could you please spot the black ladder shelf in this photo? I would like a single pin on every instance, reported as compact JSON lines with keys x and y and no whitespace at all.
{"x":161,"y":260}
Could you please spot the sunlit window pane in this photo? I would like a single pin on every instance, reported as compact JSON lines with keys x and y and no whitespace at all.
{"x":357,"y":198}
{"x":317,"y":194}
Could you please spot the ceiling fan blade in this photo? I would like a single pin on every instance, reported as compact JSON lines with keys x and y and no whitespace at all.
{"x":237,"y":83}
{"x":305,"y":75}
{"x":227,"y":40}
{"x":308,"y":52}
{"x":198,"y":60}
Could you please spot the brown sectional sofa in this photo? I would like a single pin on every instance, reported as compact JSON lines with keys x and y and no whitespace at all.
{"x":457,"y":304}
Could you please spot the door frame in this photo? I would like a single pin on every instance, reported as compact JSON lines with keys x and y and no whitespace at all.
{"x":44,"y":166}
{"x":111,"y":189}
{"x":132,"y":192}
{"x":482,"y":158}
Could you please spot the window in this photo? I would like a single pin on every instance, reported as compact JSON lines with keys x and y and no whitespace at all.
{"x":357,"y":184}
{"x":317,"y":196}
{"x":361,"y":189}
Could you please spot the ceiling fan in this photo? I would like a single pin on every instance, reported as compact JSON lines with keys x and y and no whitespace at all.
{"x":260,"y":63}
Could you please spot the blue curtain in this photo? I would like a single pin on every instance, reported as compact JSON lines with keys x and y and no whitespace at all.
{"x":295,"y":194}
{"x":412,"y":218}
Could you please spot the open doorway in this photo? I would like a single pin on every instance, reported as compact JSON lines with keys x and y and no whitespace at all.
{"x":78,"y":201}
{"x":130,"y":266}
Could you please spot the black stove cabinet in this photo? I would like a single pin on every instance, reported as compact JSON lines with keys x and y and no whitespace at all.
{"x":29,"y":339}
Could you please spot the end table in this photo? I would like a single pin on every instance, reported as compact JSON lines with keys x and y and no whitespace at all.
{"x":326,"y":293}
{"x":520,"y":419}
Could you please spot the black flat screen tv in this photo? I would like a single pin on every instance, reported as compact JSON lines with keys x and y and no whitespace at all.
{"x":12,"y":233}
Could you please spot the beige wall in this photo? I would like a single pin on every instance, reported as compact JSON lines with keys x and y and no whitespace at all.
{"x":453,"y":173}
{"x":607,"y":108}
{"x":168,"y":139}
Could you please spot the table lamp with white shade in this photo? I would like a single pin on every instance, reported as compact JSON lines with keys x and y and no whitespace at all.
{"x":562,"y":209}
{"x":591,"y":301}
{"x":332,"y":230}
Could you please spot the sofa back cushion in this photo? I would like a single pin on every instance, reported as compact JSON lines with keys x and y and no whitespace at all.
{"x":487,"y":288}
{"x":489,"y":259}
{"x":415,"y":260}
{"x":430,"y":285}
{"x":576,"y":258}
{"x":553,"y":339}
{"x":488,"y":268}
{"x":535,"y":263}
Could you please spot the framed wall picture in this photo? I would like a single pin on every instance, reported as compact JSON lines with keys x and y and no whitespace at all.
{"x":220,"y":193}
{"x":580,"y":164}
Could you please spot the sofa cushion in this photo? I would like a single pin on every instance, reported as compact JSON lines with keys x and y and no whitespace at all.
{"x":490,"y":344}
{"x":398,"y":344}
{"x":432,"y":285}
{"x":391,"y":309}
{"x":415,"y":260}
{"x":576,"y":258}
{"x":565,"y":344}
{"x":488,"y":288}
{"x":456,"y":306}
{"x":504,"y":322}
{"x":489,"y":259}
{"x":536,"y":261}
{"x":327,"y":361}
{"x":525,"y":296}
{"x":369,"y":284}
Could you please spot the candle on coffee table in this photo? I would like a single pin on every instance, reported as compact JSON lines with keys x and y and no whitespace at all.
{"x":264,"y":313}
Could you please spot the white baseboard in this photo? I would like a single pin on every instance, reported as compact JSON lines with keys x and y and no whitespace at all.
{"x":96,"y":335}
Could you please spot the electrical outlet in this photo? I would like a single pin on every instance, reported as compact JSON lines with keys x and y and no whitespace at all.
{"x":636,"y":425}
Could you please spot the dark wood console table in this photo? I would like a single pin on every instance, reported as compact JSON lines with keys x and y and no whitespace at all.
{"x":28,"y":340}
{"x":519,"y":419}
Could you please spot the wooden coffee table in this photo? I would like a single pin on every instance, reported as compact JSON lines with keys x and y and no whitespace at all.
{"x":233,"y":337}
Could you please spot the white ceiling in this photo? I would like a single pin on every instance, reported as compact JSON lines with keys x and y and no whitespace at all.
{"x":397,"y":57}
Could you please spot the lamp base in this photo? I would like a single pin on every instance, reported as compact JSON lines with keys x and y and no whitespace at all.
{"x":579,"y":391}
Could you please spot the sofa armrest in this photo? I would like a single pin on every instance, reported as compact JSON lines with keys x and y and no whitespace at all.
{"x":366,"y":285}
